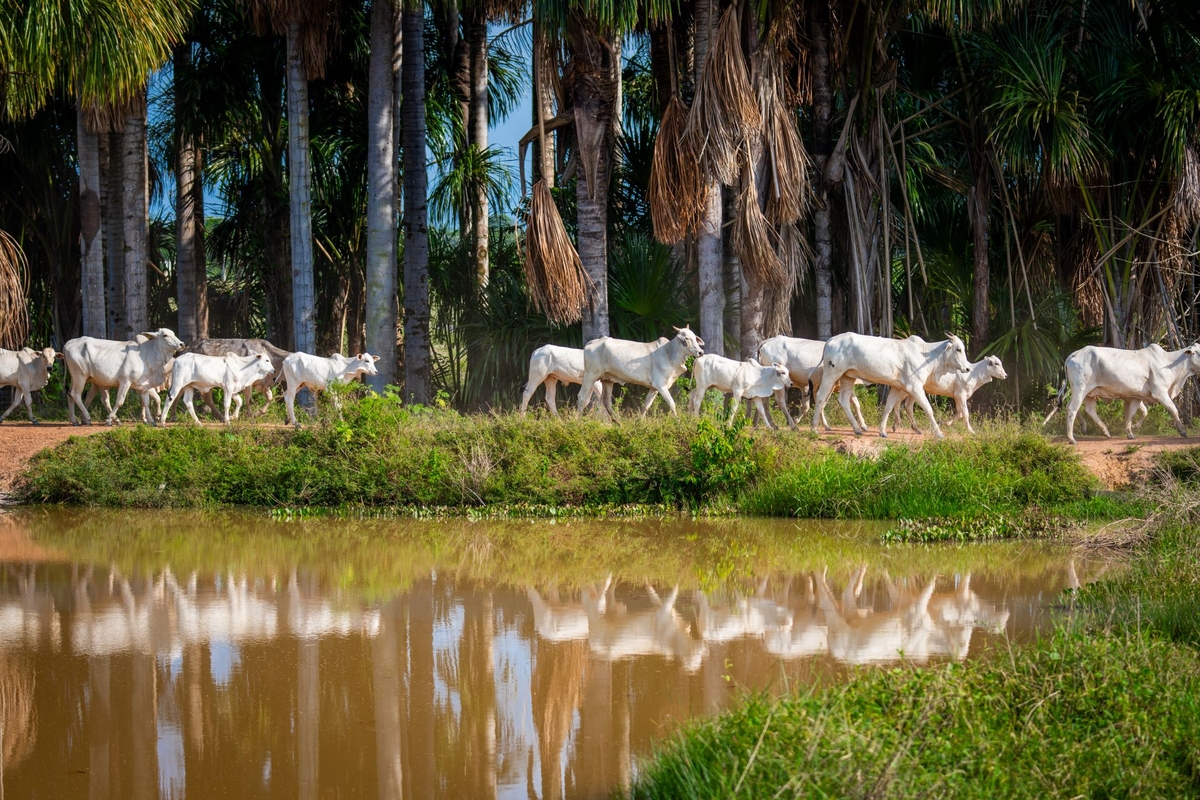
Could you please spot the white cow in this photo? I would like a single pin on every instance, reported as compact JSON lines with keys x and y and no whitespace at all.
{"x":140,"y":365}
{"x":196,"y":372}
{"x":747,"y":379}
{"x":802,"y":357}
{"x":302,"y":370}
{"x":550,"y":365}
{"x":960,"y":386}
{"x":646,"y":364}
{"x":1149,"y":375}
{"x":27,"y":371}
{"x":149,"y":394}
{"x":906,"y":364}
{"x":242,"y":347}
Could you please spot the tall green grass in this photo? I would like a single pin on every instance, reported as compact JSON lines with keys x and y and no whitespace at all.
{"x":379,"y":454}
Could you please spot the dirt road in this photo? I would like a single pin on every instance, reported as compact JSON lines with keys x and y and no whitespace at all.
{"x":20,"y":440}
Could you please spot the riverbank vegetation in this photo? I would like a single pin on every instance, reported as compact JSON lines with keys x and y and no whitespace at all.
{"x":378,"y":454}
{"x":1106,"y":706}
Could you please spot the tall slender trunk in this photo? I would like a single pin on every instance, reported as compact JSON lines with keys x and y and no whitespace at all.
{"x":188,"y":265}
{"x":478,"y":135}
{"x":662,"y":63}
{"x":112,"y":166}
{"x":100,"y":727}
{"x":387,"y":687}
{"x":308,"y":718}
{"x":543,"y":109}
{"x":422,"y":711}
{"x":91,"y":228}
{"x":381,"y":199}
{"x":199,"y":249}
{"x":822,"y":148}
{"x":136,"y":222}
{"x":417,"y":388}
{"x":709,"y":256}
{"x":593,"y":246}
{"x":979,"y":201}
{"x":304,"y":319}
{"x":143,"y":713}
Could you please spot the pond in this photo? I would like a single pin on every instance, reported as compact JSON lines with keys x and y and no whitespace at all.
{"x":166,"y":654}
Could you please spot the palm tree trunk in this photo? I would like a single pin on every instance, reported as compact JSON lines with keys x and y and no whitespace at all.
{"x":593,"y":246}
{"x":709,"y":265}
{"x":136,"y":222}
{"x":304,"y":323}
{"x":543,"y":109}
{"x":478,"y":135}
{"x":979,"y":207}
{"x":417,"y":355}
{"x":200,"y":252}
{"x":91,"y":239}
{"x":112,"y":167}
{"x":381,"y":199}
{"x":822,"y":147}
{"x":188,"y":265}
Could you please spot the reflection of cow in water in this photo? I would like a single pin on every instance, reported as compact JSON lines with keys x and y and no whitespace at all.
{"x":613,"y":632}
{"x":919,"y":625}
{"x":741,"y":616}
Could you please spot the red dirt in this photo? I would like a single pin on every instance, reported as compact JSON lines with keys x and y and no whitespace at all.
{"x":19,"y":441}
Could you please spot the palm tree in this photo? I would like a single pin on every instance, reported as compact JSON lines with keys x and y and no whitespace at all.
{"x":191,"y":276}
{"x":417,"y":353}
{"x":709,"y":251}
{"x":475,"y":27}
{"x":822,"y":88}
{"x":381,"y":197}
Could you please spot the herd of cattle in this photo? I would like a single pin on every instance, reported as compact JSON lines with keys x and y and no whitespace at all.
{"x":911,"y":368}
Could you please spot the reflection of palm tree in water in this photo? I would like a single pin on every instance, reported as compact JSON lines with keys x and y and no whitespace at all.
{"x":18,"y":722}
{"x":558,"y":675}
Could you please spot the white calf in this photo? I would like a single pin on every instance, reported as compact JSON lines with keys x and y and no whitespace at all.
{"x":747,"y":379}
{"x":302,"y":370}
{"x":27,"y":371}
{"x":232,"y":374}
{"x":960,"y":386}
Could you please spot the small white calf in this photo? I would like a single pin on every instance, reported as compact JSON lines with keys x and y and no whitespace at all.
{"x":907,"y":364}
{"x":302,"y":370}
{"x":802,"y":357}
{"x":27,"y":371}
{"x":140,"y":365}
{"x":1149,"y":375}
{"x":960,"y":386}
{"x":650,"y":364}
{"x":550,"y":365}
{"x":232,"y":374}
{"x":747,"y":379}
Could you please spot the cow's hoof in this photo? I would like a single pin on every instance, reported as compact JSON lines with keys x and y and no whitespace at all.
{"x":1131,"y":436}
{"x":858,"y":434}
{"x":883,"y":434}
{"x":34,"y":422}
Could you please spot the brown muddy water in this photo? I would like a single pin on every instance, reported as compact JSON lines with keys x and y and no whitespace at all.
{"x":173,"y":655}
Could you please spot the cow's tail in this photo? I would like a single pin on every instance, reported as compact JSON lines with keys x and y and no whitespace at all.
{"x":278,"y":377}
{"x":1058,"y":401}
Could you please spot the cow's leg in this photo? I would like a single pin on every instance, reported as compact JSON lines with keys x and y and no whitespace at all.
{"x":910,"y":406}
{"x":1163,"y":396}
{"x":918,"y":393}
{"x":122,"y":391}
{"x":237,"y":405}
{"x":551,"y":385}
{"x":665,"y":391}
{"x":227,"y":397}
{"x":1090,"y":406}
{"x":172,"y":396}
{"x":892,"y":399}
{"x":763,"y":407}
{"x":649,"y":401}
{"x":75,"y":398}
{"x":530,"y":388}
{"x":961,"y":409}
{"x":857,"y":406}
{"x":145,"y":398}
{"x":828,"y":384}
{"x":696,"y":398}
{"x":585,"y":391}
{"x":733,"y":407}
{"x":781,"y":401}
{"x":18,"y":394}
{"x":289,"y":402}
{"x":1131,"y":410}
{"x":1073,"y":411}
{"x":844,"y":401}
{"x":29,"y":406}
{"x":188,"y":397}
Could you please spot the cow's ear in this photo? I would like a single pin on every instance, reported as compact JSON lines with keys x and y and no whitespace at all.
{"x":148,"y":334}
{"x":678,"y":330}
{"x":374,"y":358}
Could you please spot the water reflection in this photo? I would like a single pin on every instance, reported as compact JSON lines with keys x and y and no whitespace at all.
{"x":139,"y":661}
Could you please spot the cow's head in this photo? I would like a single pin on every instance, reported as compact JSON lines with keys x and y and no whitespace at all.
{"x":995,"y":369}
{"x":1193,"y":356}
{"x":48,"y":355}
{"x":693,"y":343}
{"x":785,"y":377}
{"x":957,"y":353}
{"x":262,"y":365}
{"x":365,"y":363}
{"x":167,"y":335}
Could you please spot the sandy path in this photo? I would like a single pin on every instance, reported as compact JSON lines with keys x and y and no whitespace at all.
{"x":19,"y":441}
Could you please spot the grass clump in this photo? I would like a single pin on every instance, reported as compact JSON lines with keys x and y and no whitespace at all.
{"x":1034,"y":524}
{"x":1072,"y":716}
{"x":381,"y":455}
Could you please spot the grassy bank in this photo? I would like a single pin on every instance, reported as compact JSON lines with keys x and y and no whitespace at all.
{"x":1107,"y":706}
{"x":382,"y":456}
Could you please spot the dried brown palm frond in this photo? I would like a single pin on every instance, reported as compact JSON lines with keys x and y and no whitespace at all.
{"x":557,"y":283}
{"x":18,"y":719}
{"x":789,"y":192}
{"x":14,"y":285}
{"x":795,"y":255}
{"x":318,"y":24}
{"x":754,"y":238}
{"x":725,"y":112}
{"x":677,"y":190}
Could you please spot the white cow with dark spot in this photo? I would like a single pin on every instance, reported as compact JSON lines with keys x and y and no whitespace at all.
{"x":905,"y":364}
{"x":194,"y":372}
{"x":138,"y":365}
{"x":740,"y":379}
{"x":646,"y":364}
{"x":551,"y":365}
{"x":961,"y":386}
{"x":802,"y":357}
{"x":26,"y":371}
{"x":1149,"y":375}
{"x":302,"y":370}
